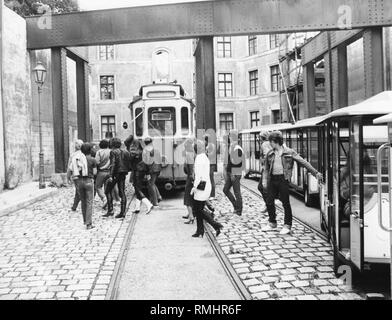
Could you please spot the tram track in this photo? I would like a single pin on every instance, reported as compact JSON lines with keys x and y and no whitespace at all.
{"x":301,"y":222}
{"x":231,"y":273}
{"x":119,"y":267}
{"x":224,"y":261}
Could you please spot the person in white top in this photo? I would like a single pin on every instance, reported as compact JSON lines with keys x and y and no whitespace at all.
{"x":201,"y":191}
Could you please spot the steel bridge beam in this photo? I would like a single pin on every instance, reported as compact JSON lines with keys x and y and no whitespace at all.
{"x":205,"y":84}
{"x":207,"y":18}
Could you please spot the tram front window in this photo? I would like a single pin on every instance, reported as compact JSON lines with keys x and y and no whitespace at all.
{"x":161,"y":121}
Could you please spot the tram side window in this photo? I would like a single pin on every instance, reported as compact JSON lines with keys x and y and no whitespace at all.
{"x":184,"y":120}
{"x":161,"y":121}
{"x":353,"y":159}
{"x":139,"y":121}
{"x":304,"y":146}
{"x":314,"y":150}
{"x":373,"y":138}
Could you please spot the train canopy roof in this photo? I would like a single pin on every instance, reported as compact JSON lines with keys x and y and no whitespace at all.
{"x":383,"y":119}
{"x":306,"y":123}
{"x":379,"y":104}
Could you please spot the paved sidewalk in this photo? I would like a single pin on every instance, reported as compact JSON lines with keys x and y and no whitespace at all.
{"x":297,"y":266}
{"x":22,"y":196}
{"x":165,"y":262}
{"x":47,"y":253}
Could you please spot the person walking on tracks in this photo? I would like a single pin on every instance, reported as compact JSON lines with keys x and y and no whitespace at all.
{"x":201,"y":191}
{"x":152,"y":158}
{"x":73,"y":173}
{"x":265,"y":147}
{"x":233,"y":167}
{"x":119,"y":168}
{"x":140,"y":169}
{"x":279,"y":166}
{"x":103,"y":162}
{"x":87,"y":166}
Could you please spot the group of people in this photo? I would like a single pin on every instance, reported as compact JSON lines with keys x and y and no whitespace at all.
{"x":104,"y":172}
{"x":277,"y":166}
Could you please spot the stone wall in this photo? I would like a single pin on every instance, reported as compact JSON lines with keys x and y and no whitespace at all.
{"x":16,"y":99}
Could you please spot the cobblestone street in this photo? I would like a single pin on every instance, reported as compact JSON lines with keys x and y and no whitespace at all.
{"x":273,"y":266}
{"x":47,"y":253}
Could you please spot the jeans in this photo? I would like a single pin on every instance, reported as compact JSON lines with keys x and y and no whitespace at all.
{"x":279,"y":186}
{"x":262,"y":190}
{"x":102,"y":176}
{"x":86,"y":193}
{"x":232,"y":180}
{"x":119,"y":180}
{"x":152,"y":188}
{"x":212,"y":167}
{"x":138,"y":184}
{"x":76,"y":197}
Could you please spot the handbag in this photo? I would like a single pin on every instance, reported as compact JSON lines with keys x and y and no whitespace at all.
{"x":201,"y":186}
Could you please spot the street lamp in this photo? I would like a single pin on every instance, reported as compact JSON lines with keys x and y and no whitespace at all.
{"x":40,"y":75}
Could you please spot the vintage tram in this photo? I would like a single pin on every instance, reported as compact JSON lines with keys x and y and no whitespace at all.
{"x":162,"y":112}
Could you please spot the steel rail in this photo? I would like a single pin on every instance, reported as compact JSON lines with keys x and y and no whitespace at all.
{"x":119,"y":267}
{"x":230,"y":271}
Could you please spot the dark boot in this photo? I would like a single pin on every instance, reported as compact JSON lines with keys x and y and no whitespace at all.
{"x":123,"y":210}
{"x":110,"y":209}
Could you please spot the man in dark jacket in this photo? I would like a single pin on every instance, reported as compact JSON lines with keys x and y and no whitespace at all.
{"x":119,"y":168}
{"x":278,"y":167}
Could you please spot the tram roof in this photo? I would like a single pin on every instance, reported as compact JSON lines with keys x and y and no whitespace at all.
{"x":268,"y":127}
{"x":383,"y":119}
{"x":305,"y":123}
{"x":379,"y":104}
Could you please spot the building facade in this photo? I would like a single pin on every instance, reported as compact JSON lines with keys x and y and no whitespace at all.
{"x":247,"y":81}
{"x":117,"y":73}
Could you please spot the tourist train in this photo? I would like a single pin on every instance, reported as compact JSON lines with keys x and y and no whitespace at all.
{"x":352,"y":151}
